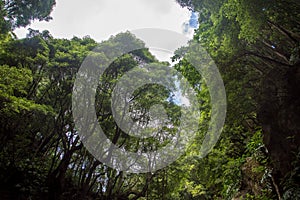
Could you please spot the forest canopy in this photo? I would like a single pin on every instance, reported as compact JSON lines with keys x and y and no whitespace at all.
{"x":256,"y":47}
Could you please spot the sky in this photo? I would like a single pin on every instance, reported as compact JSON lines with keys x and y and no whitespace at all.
{"x":102,"y":18}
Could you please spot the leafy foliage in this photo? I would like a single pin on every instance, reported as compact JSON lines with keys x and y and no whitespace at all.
{"x":21,"y":13}
{"x":255,"y":45}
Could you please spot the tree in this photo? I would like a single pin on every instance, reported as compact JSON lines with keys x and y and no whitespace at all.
{"x":38,"y":131}
{"x":15,"y":14}
{"x":256,"y":46}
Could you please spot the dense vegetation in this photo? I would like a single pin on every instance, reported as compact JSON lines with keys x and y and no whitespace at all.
{"x":256,"y":46}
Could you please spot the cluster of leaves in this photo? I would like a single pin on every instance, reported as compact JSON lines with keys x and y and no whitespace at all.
{"x":254,"y":44}
{"x":41,"y":152}
{"x":14,"y":13}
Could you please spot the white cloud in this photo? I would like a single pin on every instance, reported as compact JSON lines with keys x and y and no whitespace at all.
{"x":102,"y":18}
{"x":159,"y":6}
